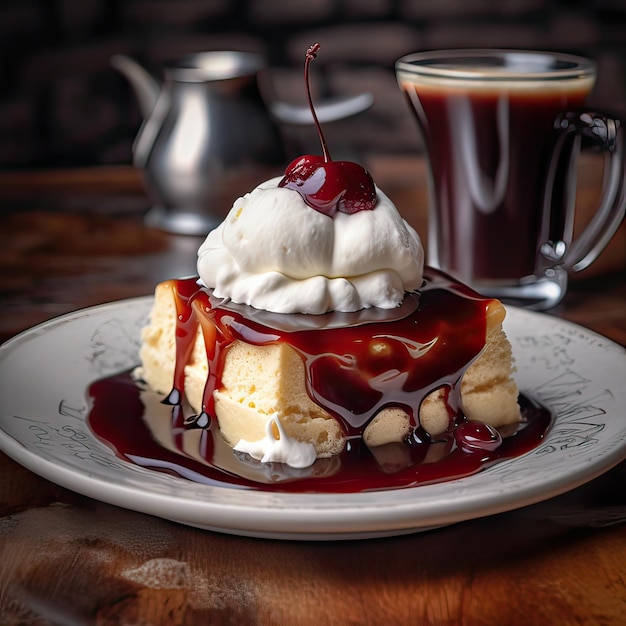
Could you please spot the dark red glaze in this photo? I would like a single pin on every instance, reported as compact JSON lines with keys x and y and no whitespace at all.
{"x":328,"y":186}
{"x":425,"y":344}
{"x":353,"y":370}
{"x":186,"y":330}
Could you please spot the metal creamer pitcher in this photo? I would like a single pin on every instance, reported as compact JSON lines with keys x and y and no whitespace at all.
{"x":208,"y":135}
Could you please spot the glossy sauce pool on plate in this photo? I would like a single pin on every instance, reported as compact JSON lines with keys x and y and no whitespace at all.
{"x":119,"y":417}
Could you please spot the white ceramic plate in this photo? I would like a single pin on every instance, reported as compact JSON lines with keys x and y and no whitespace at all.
{"x":44,"y":373}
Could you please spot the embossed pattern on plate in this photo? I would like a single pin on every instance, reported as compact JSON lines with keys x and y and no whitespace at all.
{"x":45,"y":371}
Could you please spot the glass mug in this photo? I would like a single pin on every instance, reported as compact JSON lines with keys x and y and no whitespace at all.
{"x":503,"y":130}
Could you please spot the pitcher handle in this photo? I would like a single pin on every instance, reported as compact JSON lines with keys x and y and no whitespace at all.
{"x":329,"y":110}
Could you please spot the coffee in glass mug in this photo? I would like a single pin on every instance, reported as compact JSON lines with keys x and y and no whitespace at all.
{"x":502,"y":131}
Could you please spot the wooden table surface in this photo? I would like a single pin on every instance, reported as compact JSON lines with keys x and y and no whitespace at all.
{"x":70,"y":239}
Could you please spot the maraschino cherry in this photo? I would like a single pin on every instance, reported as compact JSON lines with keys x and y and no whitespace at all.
{"x":328,"y":186}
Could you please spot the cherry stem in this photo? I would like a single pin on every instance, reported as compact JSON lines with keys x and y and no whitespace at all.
{"x":311,"y":54}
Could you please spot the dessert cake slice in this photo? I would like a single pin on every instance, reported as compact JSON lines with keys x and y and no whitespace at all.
{"x":441,"y":357}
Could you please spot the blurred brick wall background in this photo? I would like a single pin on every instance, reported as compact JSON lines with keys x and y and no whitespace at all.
{"x":62,"y":104}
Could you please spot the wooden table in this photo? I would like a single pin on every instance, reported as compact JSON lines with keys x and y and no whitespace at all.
{"x":71,"y":239}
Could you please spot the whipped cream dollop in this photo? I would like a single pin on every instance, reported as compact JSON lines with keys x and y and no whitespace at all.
{"x":274,"y":252}
{"x":278,"y":447}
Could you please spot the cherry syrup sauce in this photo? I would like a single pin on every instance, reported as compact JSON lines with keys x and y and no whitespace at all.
{"x":356,"y":365}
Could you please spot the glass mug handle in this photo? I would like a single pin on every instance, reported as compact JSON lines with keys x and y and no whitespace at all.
{"x":592,"y":130}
